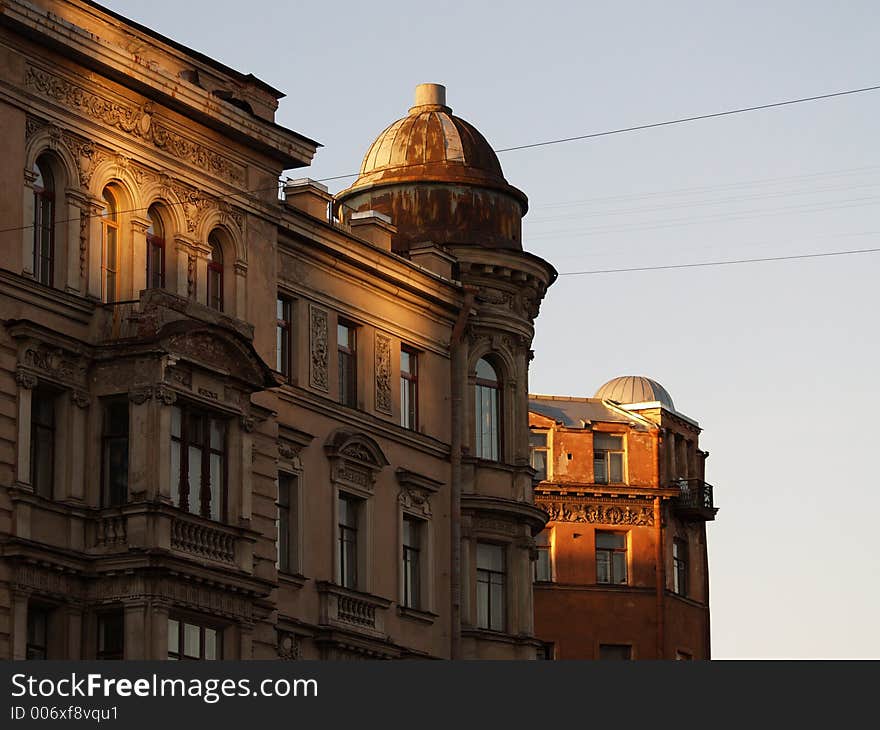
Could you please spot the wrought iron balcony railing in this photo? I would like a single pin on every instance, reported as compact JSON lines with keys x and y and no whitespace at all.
{"x":695,"y":499}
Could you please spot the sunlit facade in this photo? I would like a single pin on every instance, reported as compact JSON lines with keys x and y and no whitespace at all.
{"x":240,"y":422}
{"x":622,"y":569}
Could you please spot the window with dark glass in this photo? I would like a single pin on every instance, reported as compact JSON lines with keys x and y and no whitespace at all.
{"x":347,"y":348}
{"x":111,"y":635}
{"x":37,"y":632}
{"x":487,"y":417}
{"x":543,"y":565}
{"x":349,"y":507}
{"x":618,"y":652}
{"x":680,"y":566}
{"x":109,"y":248}
{"x":155,"y":250}
{"x":611,"y":557}
{"x":409,"y":388}
{"x":215,"y":273}
{"x":607,"y":458}
{"x":44,"y":222}
{"x":114,"y":449}
{"x":287,"y":523}
{"x":43,"y":441}
{"x":538,"y":453}
{"x":412,"y":551}
{"x":188,"y":640}
{"x":490,"y":587}
{"x":198,"y":462}
{"x":284,"y":336}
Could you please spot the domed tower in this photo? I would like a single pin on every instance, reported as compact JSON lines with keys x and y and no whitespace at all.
{"x":439,"y":180}
{"x":441,"y":184}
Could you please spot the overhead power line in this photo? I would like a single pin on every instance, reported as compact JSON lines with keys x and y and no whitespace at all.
{"x":654,"y":125}
{"x":527,"y":146}
{"x":722,"y":263}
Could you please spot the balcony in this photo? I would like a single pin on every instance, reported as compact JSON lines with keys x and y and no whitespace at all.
{"x":352,"y":610}
{"x":143,"y":526}
{"x":695,"y":500}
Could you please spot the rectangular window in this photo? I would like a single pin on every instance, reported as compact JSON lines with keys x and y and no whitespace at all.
{"x":611,"y":557}
{"x":37,"y":632}
{"x":347,"y":349}
{"x":114,"y":450}
{"x":607,"y":458}
{"x":288,"y":520}
{"x":680,"y":566}
{"x":538,"y":453}
{"x":619,"y":652}
{"x":412,"y":552}
{"x":490,"y":587}
{"x":349,"y":509}
{"x":409,"y":388}
{"x":284,"y":330}
{"x":193,"y":641}
{"x":111,"y":635}
{"x":543,"y":565}
{"x":198,"y":462}
{"x":43,"y":441}
{"x":155,"y":262}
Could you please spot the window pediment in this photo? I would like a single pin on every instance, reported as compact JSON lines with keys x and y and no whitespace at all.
{"x":355,"y":459}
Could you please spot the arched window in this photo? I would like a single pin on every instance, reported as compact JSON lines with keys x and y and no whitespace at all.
{"x":155,"y":250}
{"x":109,"y":248}
{"x":215,"y":273}
{"x":44,"y":222}
{"x":487,"y":399}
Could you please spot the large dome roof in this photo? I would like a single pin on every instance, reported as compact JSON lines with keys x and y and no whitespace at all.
{"x":430,"y":144}
{"x":635,"y":389}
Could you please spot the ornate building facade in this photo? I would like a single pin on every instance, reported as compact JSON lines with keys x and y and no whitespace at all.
{"x":622,"y":571}
{"x":238,"y":424}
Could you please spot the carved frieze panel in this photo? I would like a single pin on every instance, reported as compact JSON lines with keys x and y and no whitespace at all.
{"x":488,"y":524}
{"x":415,"y":500}
{"x":54,"y":363}
{"x":561,"y":510}
{"x":139,"y":121}
{"x":42,"y":580}
{"x":318,"y":348}
{"x":288,"y":646}
{"x":416,"y":491}
{"x":383,"y":373}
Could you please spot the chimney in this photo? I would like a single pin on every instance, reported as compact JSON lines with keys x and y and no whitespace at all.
{"x":308,"y":196}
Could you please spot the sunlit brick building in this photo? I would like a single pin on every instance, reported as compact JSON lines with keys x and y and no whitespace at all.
{"x":238,"y":424}
{"x":622,"y":571}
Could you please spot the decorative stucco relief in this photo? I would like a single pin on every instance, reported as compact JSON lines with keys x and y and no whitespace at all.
{"x":572,"y":511}
{"x":383,"y":373}
{"x":139,"y":121}
{"x":318,"y":377}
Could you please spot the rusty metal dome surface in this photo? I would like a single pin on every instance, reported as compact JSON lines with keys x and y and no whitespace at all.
{"x":635,"y":389}
{"x":430,"y":144}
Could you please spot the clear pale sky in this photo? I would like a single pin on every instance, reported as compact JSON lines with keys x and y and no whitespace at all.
{"x":777,"y":361}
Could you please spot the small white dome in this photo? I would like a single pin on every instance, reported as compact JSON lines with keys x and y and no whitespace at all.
{"x":635,"y":389}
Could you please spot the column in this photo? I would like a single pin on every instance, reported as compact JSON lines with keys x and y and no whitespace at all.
{"x":135,"y":625}
{"x":73,"y":211}
{"x":27,"y":232}
{"x":95,"y":246}
{"x":26,"y":382}
{"x":19,"y":624}
{"x":139,"y":228}
{"x":239,"y":291}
